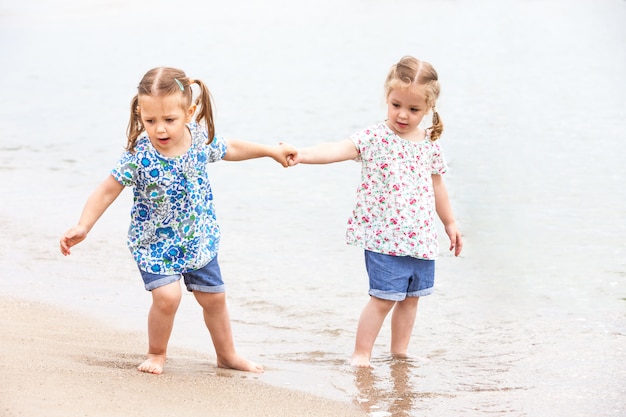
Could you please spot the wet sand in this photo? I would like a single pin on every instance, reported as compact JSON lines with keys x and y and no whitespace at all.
{"x":56,"y":362}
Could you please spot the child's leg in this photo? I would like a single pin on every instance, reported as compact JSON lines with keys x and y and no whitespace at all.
{"x":402,"y":321}
{"x":217,"y":321}
{"x":370,"y":322}
{"x":165,"y":302}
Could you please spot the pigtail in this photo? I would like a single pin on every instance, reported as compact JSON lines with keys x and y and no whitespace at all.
{"x":205,"y":109}
{"x":134,"y":124}
{"x":437,"y":128}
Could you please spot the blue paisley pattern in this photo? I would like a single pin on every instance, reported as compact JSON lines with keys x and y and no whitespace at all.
{"x":173,"y":226}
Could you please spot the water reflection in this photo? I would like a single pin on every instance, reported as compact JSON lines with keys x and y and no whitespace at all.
{"x":390,"y":390}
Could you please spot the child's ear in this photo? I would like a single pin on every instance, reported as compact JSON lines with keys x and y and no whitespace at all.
{"x":190,"y":112}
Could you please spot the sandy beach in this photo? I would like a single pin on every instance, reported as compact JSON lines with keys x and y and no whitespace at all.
{"x":56,"y":363}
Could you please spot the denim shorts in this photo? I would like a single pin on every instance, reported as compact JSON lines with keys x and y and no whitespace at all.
{"x":206,"y":279}
{"x":396,"y":277}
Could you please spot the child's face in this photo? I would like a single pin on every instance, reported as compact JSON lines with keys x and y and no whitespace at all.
{"x":164,"y":119}
{"x":405,"y":110}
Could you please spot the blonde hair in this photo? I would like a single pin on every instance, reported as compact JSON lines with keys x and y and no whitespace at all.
{"x":164,"y":81}
{"x":410,"y":71}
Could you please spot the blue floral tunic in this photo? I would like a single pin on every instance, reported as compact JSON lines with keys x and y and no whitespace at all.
{"x":173,"y":227}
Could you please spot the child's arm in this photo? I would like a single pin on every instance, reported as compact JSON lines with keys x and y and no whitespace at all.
{"x":326,"y":153}
{"x":444,"y":211}
{"x":96,"y":204}
{"x":239,"y":150}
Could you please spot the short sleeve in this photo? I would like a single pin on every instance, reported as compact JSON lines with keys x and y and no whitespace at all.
{"x":125,"y":171}
{"x":439,"y":163}
{"x":361,"y":140}
{"x":216,"y":150}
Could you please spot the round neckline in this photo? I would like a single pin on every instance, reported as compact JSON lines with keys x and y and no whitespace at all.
{"x":426,"y":135}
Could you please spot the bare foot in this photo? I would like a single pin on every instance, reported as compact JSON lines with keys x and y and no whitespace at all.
{"x":360,"y":361}
{"x":240,"y":364}
{"x":153,"y":365}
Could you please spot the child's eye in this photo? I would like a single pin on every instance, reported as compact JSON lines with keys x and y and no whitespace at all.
{"x":148,"y":121}
{"x":169,"y":120}
{"x":396,"y":105}
{"x":414,"y":110}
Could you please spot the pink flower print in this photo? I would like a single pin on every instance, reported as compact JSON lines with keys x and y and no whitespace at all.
{"x":393,"y":221}
{"x":396,"y":187}
{"x":400,"y":155}
{"x":412,"y":234}
{"x":365,"y":219}
{"x":412,"y":201}
{"x":384,"y":166}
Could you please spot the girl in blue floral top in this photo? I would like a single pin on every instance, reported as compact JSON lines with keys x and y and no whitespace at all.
{"x":173,"y":231}
{"x":400,"y":194}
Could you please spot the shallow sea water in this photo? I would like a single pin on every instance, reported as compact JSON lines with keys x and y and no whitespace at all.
{"x":529,"y":321}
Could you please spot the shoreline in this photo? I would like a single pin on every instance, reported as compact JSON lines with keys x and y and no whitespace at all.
{"x":56,"y":361}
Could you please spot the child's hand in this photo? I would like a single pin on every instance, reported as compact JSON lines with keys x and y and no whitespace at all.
{"x":286,"y":154}
{"x":456,"y":240}
{"x":294,"y":159}
{"x":72,"y":237}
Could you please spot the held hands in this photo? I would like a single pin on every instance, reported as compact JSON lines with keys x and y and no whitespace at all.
{"x":294,"y":159}
{"x":286,"y":154}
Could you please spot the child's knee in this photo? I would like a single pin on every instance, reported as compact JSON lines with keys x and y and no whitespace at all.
{"x":211,"y":302}
{"x":167,"y":305}
{"x":167,"y":301}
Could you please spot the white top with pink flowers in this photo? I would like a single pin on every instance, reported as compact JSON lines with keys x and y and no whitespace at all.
{"x":395,"y":202}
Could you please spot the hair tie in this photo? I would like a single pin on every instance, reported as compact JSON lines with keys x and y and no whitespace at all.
{"x":180,"y":85}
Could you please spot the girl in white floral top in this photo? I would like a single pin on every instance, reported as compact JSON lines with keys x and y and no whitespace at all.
{"x":174,"y":233}
{"x":400,"y":193}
